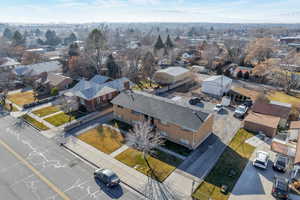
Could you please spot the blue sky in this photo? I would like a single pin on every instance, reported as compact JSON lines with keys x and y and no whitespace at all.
{"x":81,"y":11}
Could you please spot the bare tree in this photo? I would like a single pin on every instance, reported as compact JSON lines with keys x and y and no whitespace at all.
{"x":209,"y":54}
{"x":67,"y":104}
{"x":146,"y":140}
{"x":148,"y":66}
{"x":260,"y":50}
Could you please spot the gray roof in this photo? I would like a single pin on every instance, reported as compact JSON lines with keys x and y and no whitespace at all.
{"x":56,"y":79}
{"x":38,"y":68}
{"x":161,"y":108}
{"x":99,"y":79}
{"x":6,"y":61}
{"x":173,"y":71}
{"x":89,"y":90}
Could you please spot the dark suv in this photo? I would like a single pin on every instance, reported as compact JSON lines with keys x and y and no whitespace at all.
{"x":280,"y":188}
{"x":280,"y":163}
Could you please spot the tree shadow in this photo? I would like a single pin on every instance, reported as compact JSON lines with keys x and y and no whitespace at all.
{"x":114,"y":192}
{"x":223,"y":112}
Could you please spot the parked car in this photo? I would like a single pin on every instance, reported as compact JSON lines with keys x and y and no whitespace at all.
{"x":280,"y":189}
{"x":248,"y":103}
{"x":280,"y":163}
{"x":240,"y":111}
{"x":218,"y":107}
{"x":194,"y":101}
{"x":261,"y":160}
{"x":108,"y":177}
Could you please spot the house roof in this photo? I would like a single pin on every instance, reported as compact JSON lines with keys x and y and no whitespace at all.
{"x":295,"y":125}
{"x":89,"y":90}
{"x":265,"y":120}
{"x":246,"y":92}
{"x":99,"y":79}
{"x":271,"y":109}
{"x":173,"y":71}
{"x":6,"y":61}
{"x":161,"y":108}
{"x":218,"y":79}
{"x":38,"y":68}
{"x":56,"y":79}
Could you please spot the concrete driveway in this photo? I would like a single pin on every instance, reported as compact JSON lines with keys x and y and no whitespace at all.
{"x":255,"y":183}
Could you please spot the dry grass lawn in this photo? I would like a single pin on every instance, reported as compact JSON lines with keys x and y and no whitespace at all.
{"x":227,"y":170}
{"x":103,"y":138}
{"x":46,"y":111}
{"x":134,"y":158}
{"x":21,"y":98}
{"x":285,"y":98}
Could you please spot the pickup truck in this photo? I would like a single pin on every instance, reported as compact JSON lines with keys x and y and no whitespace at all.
{"x":240,"y":111}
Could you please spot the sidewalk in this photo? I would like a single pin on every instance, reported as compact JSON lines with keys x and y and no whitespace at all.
{"x":128,"y":175}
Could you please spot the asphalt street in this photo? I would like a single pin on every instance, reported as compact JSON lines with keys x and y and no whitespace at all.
{"x":33,"y":167}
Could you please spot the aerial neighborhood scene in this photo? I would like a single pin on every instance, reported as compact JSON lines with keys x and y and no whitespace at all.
{"x":149,"y":99}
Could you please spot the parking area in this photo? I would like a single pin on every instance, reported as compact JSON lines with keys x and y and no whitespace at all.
{"x":255,"y":183}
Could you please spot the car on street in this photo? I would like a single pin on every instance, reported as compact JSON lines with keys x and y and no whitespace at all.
{"x":280,"y":163}
{"x":240,"y":111}
{"x":218,"y":108}
{"x":261,"y":160}
{"x":280,"y":189}
{"x":194,"y":101}
{"x":106,"y":176}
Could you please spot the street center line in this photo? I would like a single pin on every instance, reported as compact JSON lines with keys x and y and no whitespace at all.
{"x":36,"y":172}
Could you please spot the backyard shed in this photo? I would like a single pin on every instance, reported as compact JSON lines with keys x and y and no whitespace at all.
{"x":216,"y":85}
{"x":171,"y":75}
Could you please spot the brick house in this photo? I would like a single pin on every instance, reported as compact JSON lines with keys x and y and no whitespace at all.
{"x":177,"y":123}
{"x":99,"y":91}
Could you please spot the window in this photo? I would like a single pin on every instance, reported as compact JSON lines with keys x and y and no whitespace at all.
{"x":99,"y":100}
{"x":162,"y":133}
{"x":82,"y":102}
{"x":163,"y":122}
{"x":110,"y":96}
{"x":135,"y":112}
{"x":104,"y":97}
{"x":183,"y":141}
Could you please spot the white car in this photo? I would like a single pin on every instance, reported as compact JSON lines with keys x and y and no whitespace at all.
{"x":218,"y":107}
{"x":261,"y":160}
{"x":240,"y":111}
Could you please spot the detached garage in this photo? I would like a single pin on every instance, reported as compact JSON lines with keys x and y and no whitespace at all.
{"x":256,"y":122}
{"x":216,"y":85}
{"x":171,"y":75}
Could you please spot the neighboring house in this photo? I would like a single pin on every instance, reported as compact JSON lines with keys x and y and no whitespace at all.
{"x":241,"y":69}
{"x":199,"y":69}
{"x":39,"y":70}
{"x":274,"y":108}
{"x":8,"y":64}
{"x":177,"y":123}
{"x":53,"y":80}
{"x":266,"y":124}
{"x":99,"y":91}
{"x":216,"y":85}
{"x":171,"y":75}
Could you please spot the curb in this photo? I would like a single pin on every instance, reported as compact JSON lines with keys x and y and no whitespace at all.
{"x":93,"y":164}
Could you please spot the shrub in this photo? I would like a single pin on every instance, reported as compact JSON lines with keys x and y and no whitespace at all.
{"x":54,"y":91}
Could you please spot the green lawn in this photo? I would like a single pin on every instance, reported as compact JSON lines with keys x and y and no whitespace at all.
{"x":63,"y":118}
{"x":35,"y":123}
{"x":162,"y":169}
{"x":227,"y":170}
{"x":46,"y":111}
{"x":103,"y":138}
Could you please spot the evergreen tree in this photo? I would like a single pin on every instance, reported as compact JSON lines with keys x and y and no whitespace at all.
{"x":38,"y":32}
{"x":7,"y":34}
{"x":169,"y":43}
{"x":240,"y":74}
{"x":70,"y":39}
{"x":159,"y":44}
{"x":18,"y":39}
{"x":51,"y":38}
{"x":246,"y":75}
{"x":114,"y":70}
{"x":73,"y":50}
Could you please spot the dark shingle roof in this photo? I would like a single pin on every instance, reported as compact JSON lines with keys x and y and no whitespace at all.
{"x":161,"y":108}
{"x":271,"y":109}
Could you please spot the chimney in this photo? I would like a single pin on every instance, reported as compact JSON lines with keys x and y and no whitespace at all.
{"x":126,"y":85}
